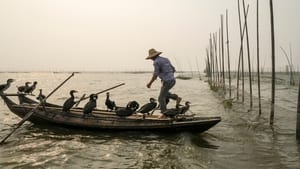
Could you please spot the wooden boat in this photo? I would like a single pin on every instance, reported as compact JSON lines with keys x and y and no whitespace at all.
{"x":51,"y":114}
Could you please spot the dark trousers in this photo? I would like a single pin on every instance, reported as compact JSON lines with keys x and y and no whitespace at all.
{"x":165,"y":94}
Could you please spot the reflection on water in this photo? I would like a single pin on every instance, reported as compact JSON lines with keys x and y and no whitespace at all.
{"x":242,"y":140}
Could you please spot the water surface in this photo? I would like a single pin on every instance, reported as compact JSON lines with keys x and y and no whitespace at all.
{"x":241,"y":140}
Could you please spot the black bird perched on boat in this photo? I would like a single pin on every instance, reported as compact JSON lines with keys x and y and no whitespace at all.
{"x":69,"y":103}
{"x":3,"y":87}
{"x":109,"y":103}
{"x":145,"y":109}
{"x":185,"y":108}
{"x":89,"y":106}
{"x":31,"y":88}
{"x":130,"y":108}
{"x":41,"y":97}
{"x":24,"y":88}
{"x":178,"y":110}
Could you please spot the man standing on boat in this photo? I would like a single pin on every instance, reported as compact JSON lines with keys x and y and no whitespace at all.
{"x":165,"y":71}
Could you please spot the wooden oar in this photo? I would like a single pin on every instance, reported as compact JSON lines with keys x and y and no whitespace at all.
{"x":102,"y":91}
{"x":82,"y":97}
{"x":28,"y":115}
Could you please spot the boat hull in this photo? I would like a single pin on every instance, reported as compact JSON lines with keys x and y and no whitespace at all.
{"x":105,"y":120}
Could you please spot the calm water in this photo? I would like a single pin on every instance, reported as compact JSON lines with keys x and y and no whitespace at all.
{"x":241,"y":140}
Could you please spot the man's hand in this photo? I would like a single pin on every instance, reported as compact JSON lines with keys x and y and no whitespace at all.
{"x":152,"y":80}
{"x":149,"y":85}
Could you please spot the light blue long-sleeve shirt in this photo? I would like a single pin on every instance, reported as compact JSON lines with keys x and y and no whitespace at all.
{"x":163,"y":69}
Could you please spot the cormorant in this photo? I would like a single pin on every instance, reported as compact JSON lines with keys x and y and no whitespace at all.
{"x":3,"y":87}
{"x":89,"y":106}
{"x":23,"y":88}
{"x":185,"y":108}
{"x":69,"y":103}
{"x":31,"y":88}
{"x":145,"y":109}
{"x":109,"y":103}
{"x":178,"y":110}
{"x":41,"y":97}
{"x":131,"y":107}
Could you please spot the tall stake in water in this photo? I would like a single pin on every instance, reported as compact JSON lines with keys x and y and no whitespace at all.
{"x":258,"y":71}
{"x":248,"y":52}
{"x":273,"y":64}
{"x":228,"y":55}
{"x":222,"y":48}
{"x":241,"y":57}
{"x":220,"y":58}
{"x":298,"y":115}
{"x":208,"y":71}
{"x":212,"y":60}
{"x":290,"y":66}
{"x":216,"y":53}
{"x":198,"y":68}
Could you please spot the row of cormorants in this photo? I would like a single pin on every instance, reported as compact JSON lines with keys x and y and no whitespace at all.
{"x":131,"y":108}
{"x":27,"y":88}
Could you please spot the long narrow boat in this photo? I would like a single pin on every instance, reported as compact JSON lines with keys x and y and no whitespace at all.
{"x":51,"y":114}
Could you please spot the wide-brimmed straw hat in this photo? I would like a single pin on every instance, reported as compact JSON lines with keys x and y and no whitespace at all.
{"x":153,"y":53}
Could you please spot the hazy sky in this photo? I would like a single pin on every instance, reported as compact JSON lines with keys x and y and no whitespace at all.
{"x":115,"y":35}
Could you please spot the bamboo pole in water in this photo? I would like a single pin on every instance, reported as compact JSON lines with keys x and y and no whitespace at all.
{"x":238,"y":78}
{"x":249,"y":60}
{"x":211,"y":60}
{"x":298,"y":115}
{"x":216,"y":53}
{"x":241,"y":56}
{"x":220,"y":58}
{"x":198,"y":68}
{"x":222,"y":48}
{"x":228,"y":53}
{"x":208,"y":71}
{"x":292,"y":82}
{"x":273,"y":64}
{"x":258,"y":71}
{"x":215,"y":58}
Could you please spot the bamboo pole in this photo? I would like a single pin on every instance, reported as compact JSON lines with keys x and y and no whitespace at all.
{"x":241,"y":53}
{"x":216,"y":53}
{"x":292,"y":81}
{"x":208,"y":72}
{"x":238,"y":78}
{"x":222,"y":48}
{"x":211,"y":60}
{"x":249,"y":60}
{"x":198,"y":68}
{"x":298,"y":115}
{"x":228,"y":53}
{"x":214,"y":57}
{"x":258,"y":71}
{"x":220,"y":58}
{"x":273,"y":64}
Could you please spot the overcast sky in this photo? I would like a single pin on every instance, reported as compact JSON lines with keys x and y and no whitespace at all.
{"x":115,"y":35}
